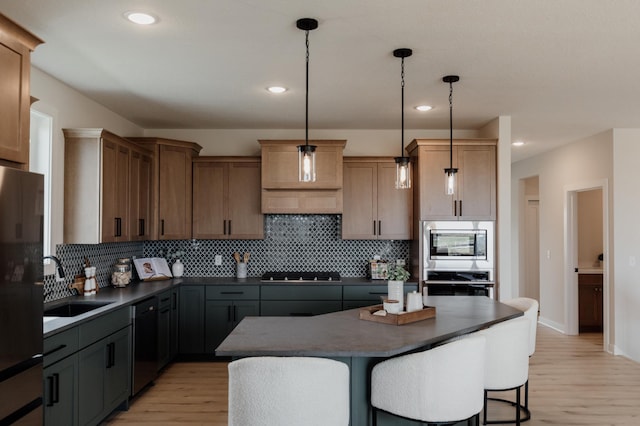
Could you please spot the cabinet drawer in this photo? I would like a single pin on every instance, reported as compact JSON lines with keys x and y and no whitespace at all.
{"x":164,"y":300}
{"x":301,"y":308}
{"x":301,"y":292}
{"x":589,"y":278}
{"x":94,"y":330}
{"x":365,"y":292}
{"x":60,"y":346}
{"x":232,"y":292}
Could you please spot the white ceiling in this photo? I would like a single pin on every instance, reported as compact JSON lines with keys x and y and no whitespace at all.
{"x":562,"y":69}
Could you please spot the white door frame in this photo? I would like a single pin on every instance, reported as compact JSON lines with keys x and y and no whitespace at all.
{"x":571,"y":256}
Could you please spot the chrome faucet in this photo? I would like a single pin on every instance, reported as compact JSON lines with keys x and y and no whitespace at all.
{"x":59,"y":268}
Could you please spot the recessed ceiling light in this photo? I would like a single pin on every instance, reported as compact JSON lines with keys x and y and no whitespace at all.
{"x":277,"y":89}
{"x":141,"y":18}
{"x":517,"y":143}
{"x":424,"y":108}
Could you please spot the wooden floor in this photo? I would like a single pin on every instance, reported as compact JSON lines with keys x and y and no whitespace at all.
{"x":572,"y":382}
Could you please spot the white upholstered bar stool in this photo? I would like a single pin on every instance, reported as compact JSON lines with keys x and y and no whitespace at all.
{"x":283,"y":391}
{"x":506,"y":362}
{"x":530,"y":308}
{"x":443,"y":385}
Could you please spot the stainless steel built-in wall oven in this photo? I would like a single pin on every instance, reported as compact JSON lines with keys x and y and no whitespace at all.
{"x":459,"y":257}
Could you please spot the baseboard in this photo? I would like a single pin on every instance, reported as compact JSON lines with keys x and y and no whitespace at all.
{"x":552,"y":324}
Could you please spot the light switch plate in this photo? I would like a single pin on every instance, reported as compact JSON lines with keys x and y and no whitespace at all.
{"x":218,"y":259}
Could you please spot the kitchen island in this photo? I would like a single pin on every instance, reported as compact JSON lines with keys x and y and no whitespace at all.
{"x":361,"y":344}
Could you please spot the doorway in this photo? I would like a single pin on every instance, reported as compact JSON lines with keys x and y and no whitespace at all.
{"x":586,"y":238}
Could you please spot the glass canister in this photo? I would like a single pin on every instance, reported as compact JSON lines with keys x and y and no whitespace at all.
{"x":121,"y":275}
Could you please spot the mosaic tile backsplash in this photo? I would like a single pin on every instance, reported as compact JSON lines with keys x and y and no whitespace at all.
{"x":291,"y":243}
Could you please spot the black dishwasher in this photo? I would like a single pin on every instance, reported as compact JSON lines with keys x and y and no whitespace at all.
{"x":145,"y":346}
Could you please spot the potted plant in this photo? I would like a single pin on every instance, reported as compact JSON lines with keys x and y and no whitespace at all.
{"x":397,"y":275}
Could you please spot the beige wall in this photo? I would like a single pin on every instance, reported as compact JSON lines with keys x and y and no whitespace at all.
{"x":589,"y":228}
{"x":625,"y":260}
{"x":573,"y":165}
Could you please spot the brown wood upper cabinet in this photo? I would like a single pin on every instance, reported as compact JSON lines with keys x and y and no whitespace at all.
{"x":140,"y":202}
{"x":226,"y":198}
{"x":171,"y":219}
{"x":97,"y":187}
{"x":281,"y":190}
{"x":475,"y":194}
{"x":373,"y":207}
{"x":16,"y":45}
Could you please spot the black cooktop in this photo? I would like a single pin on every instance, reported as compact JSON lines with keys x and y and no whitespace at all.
{"x":300,"y":276}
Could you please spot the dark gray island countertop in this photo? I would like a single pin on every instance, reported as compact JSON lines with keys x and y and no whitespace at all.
{"x":343,"y":334}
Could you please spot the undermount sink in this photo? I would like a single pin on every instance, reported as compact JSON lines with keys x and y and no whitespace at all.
{"x":71,"y":309}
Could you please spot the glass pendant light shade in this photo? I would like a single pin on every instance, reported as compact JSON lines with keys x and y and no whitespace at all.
{"x":306,"y":163}
{"x":450,"y":182}
{"x":403,"y":173}
{"x":403,"y":164}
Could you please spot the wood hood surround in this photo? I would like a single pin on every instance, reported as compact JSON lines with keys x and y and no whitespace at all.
{"x":282,"y":193}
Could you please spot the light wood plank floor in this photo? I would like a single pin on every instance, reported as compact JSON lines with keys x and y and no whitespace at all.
{"x":572,"y":382}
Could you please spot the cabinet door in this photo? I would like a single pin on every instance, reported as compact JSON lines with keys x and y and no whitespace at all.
{"x":60,"y":392}
{"x":118,"y":377}
{"x":244,"y":308}
{"x":359,"y":215}
{"x":476,"y":182}
{"x":435,"y":204}
{"x":245,"y":219}
{"x":92,"y":371}
{"x":210,"y":192}
{"x":192,"y":320}
{"x":115,"y":195}
{"x":15,"y":51}
{"x":175,"y":302}
{"x":174,"y":193}
{"x":141,"y":172}
{"x":395,"y":206}
{"x":164,"y":336}
{"x":219,"y":323}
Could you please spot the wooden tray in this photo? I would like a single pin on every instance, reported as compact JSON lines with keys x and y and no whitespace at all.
{"x":397,"y":319}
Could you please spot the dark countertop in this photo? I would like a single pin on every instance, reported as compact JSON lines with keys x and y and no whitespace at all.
{"x":341,"y":334}
{"x":140,"y":290}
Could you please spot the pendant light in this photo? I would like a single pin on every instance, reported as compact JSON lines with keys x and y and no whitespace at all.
{"x":306,"y":152}
{"x":403,"y":163}
{"x":451,"y":171}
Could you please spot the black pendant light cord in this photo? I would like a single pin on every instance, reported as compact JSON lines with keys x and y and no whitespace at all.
{"x":450,"y":79}
{"x":451,"y":124}
{"x":306,"y":106}
{"x":402,"y":108}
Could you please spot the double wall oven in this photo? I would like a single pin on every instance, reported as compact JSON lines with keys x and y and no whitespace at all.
{"x":459,"y":257}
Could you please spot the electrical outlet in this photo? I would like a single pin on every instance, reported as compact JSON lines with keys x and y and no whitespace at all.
{"x":218,"y":260}
{"x":400,"y":262}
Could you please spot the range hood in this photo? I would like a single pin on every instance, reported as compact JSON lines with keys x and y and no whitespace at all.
{"x":282,"y":193}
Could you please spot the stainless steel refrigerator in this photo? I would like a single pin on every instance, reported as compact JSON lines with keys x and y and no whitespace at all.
{"x":21,"y":300}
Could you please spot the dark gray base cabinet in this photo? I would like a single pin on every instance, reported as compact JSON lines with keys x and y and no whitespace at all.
{"x":222,"y":317}
{"x":191,"y":320}
{"x":300,"y":300}
{"x":164,"y":329}
{"x":60,"y":396}
{"x":104,"y":376}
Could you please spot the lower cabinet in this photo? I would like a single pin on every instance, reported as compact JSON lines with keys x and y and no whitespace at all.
{"x":104,"y":376}
{"x":300,"y":300}
{"x":164,"y":329}
{"x":222,"y":317}
{"x":87,"y":370}
{"x":174,"y":343}
{"x":590,"y":302}
{"x":60,"y":393}
{"x":191,"y":320}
